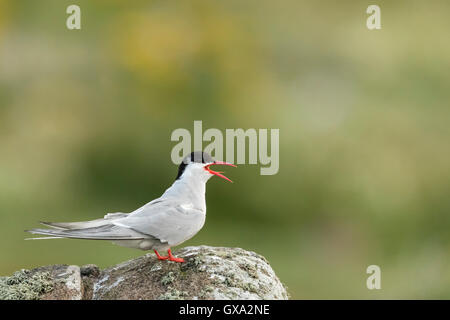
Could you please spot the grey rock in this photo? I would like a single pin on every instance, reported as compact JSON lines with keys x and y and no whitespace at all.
{"x":209,"y":273}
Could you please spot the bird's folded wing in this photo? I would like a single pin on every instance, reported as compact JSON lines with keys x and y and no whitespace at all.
{"x":165,"y":221}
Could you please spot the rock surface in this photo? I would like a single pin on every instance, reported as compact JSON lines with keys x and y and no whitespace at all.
{"x":208,"y":273}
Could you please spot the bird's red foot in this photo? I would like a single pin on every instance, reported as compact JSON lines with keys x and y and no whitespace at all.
{"x":172,"y":258}
{"x":160,"y":257}
{"x":176,"y":259}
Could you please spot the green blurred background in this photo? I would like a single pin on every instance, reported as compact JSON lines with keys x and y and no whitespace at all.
{"x":86,"y":118}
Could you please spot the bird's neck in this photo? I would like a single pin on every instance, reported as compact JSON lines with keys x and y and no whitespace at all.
{"x":190,"y":190}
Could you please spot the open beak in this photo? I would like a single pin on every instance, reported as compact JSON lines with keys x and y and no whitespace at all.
{"x":219,"y":174}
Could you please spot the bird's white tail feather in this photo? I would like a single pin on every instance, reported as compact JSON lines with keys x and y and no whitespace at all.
{"x":104,"y":232}
{"x":43,"y":238}
{"x":85,"y":224}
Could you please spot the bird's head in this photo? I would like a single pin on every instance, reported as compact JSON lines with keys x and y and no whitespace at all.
{"x":198,"y":164}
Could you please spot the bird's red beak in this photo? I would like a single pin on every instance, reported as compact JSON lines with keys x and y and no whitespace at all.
{"x":219,"y":174}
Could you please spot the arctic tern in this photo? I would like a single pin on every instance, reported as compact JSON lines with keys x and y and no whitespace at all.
{"x":165,"y":222}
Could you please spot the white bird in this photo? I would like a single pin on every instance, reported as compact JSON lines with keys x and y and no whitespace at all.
{"x":165,"y":222}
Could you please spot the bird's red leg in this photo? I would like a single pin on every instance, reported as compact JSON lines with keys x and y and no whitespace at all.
{"x":172,"y":258}
{"x":159,"y":257}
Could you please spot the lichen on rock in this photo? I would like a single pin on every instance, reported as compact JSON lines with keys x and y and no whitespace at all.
{"x":168,"y":279}
{"x":173,"y":294}
{"x":25,"y":285}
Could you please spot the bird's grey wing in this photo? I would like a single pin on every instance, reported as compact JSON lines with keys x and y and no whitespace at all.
{"x":104,"y":232}
{"x":168,"y":222}
{"x":86,"y":224}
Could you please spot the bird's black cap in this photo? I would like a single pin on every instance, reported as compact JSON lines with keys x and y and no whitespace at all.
{"x":196,"y":156}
